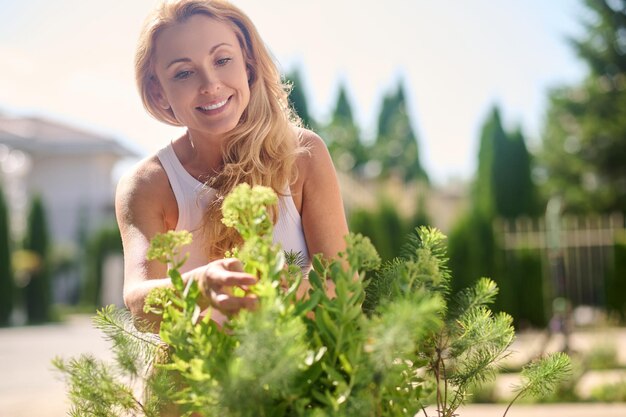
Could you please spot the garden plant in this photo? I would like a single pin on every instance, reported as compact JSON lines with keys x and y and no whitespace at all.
{"x":393,"y":341}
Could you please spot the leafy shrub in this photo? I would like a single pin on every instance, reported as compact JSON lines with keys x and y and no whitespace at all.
{"x":411,"y":346}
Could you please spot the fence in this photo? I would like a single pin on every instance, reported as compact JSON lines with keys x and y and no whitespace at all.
{"x":576,"y":252}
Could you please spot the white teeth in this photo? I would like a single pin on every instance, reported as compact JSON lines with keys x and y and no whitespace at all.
{"x":214,"y":106}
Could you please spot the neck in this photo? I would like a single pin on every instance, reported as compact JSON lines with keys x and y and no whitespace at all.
{"x":201,"y":157}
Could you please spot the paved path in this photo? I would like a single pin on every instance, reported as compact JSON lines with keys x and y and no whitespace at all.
{"x":30,"y":388}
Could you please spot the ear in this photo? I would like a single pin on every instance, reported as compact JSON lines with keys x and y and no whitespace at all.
{"x":157,"y":94}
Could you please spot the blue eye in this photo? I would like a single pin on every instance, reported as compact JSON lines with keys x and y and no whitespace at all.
{"x":182,"y":75}
{"x":223,"y":61}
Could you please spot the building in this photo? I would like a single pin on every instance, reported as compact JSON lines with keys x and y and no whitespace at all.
{"x":71,"y":169}
{"x":73,"y":172}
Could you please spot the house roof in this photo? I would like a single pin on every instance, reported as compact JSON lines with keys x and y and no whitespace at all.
{"x":36,"y":135}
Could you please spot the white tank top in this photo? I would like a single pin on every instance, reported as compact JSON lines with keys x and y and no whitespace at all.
{"x":193,"y":197}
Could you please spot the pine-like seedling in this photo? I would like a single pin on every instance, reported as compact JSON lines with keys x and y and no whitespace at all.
{"x":388,"y":344}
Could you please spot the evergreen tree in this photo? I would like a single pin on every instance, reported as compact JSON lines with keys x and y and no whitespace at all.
{"x":585,"y":134}
{"x":514,"y":190}
{"x":396,"y":144}
{"x":38,"y":294}
{"x":101,"y":244}
{"x":7,"y":286}
{"x":343,"y":136}
{"x":483,"y":198}
{"x":297,"y":98}
{"x":503,"y":188}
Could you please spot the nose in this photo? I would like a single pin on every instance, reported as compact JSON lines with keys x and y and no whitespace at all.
{"x":209,"y":83}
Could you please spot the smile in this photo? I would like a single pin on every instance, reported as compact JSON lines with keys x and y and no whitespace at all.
{"x":213,"y":106}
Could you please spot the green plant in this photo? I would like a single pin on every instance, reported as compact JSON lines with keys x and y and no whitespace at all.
{"x":410,"y":346}
{"x":615,"y":392}
{"x":38,"y":291}
{"x":602,"y":356}
{"x":7,"y":285}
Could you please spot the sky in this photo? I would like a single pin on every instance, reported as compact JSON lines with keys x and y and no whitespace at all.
{"x":72,"y":61}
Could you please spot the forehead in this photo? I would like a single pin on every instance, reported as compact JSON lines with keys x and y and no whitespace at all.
{"x":196,"y":35}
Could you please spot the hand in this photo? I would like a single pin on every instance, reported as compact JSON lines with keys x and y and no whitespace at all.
{"x":216,"y":279}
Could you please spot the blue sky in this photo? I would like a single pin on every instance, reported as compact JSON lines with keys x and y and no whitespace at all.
{"x":72,"y":60}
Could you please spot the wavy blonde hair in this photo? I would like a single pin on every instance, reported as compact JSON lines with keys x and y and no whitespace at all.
{"x":263,"y":147}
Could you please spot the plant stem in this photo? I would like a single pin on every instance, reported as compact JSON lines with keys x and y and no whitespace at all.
{"x":511,"y":403}
{"x":445,"y":383}
{"x":437,"y":375}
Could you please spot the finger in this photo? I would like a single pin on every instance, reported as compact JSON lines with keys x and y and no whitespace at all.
{"x":232,"y":264}
{"x":229,"y":304}
{"x":230,"y":278}
{"x":216,"y":276}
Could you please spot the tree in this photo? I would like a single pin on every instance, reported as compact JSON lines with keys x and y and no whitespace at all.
{"x":343,"y":136}
{"x":38,"y":291}
{"x":585,"y":134}
{"x":7,"y":285}
{"x":396,"y":144}
{"x":297,"y":98}
{"x":503,"y":188}
{"x":102,"y":243}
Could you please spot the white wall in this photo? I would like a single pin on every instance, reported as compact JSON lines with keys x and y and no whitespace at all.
{"x":70,"y":184}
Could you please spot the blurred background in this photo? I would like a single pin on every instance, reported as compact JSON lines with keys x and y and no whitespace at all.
{"x":501,"y":123}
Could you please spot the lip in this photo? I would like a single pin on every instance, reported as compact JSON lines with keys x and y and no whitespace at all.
{"x":214,"y":107}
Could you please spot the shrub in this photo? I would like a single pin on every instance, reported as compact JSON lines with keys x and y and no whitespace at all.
{"x":415,"y":345}
{"x":38,"y":291}
{"x":7,"y":286}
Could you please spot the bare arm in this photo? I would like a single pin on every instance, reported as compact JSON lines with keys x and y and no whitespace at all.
{"x":323,"y":217}
{"x":145,"y":206}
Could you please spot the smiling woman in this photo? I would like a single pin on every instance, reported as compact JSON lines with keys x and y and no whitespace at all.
{"x":202,"y":65}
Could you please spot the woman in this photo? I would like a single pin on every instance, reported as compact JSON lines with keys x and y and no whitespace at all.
{"x":202,"y":65}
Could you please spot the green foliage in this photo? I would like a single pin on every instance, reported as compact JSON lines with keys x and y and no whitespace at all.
{"x":602,"y":356}
{"x":541,"y":377}
{"x":615,"y":392}
{"x":411,"y":345}
{"x":297,"y":98}
{"x":584,"y":142}
{"x":343,"y":136}
{"x":7,"y":285}
{"x":525,"y":275}
{"x":616,"y":281}
{"x":382,"y":226}
{"x":99,"y":389}
{"x":102,"y":243}
{"x":38,"y":292}
{"x":503,"y":187}
{"x":396,"y":145}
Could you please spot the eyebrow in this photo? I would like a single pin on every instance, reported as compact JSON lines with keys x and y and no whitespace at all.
{"x":177,"y":60}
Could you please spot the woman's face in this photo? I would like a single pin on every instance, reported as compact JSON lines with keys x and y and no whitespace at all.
{"x":202,"y":75}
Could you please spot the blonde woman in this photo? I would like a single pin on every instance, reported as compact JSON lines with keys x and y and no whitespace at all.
{"x":202,"y":65}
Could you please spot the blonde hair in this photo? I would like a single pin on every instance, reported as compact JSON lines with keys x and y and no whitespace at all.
{"x":263,"y":147}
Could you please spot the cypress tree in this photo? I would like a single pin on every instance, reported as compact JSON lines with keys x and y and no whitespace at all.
{"x":396,"y":143}
{"x":101,"y":244}
{"x":491,"y":134}
{"x":38,"y":294}
{"x":343,"y":136}
{"x":503,"y":188}
{"x":7,"y":285}
{"x":514,"y":191}
{"x":297,"y":98}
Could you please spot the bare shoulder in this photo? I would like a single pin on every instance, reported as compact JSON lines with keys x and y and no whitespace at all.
{"x":143,"y":190}
{"x":316,"y":155}
{"x":311,"y":140}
